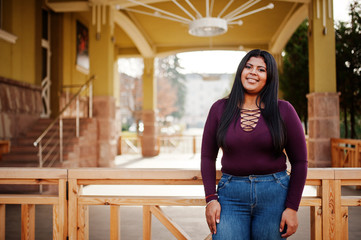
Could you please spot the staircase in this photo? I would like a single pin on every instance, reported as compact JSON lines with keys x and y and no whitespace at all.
{"x":75,"y":150}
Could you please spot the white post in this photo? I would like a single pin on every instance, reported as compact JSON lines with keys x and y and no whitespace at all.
{"x":77,"y":116}
{"x":61,"y":138}
{"x":91,"y":99}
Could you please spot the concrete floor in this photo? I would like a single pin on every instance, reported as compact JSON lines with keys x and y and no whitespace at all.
{"x":191,"y":219}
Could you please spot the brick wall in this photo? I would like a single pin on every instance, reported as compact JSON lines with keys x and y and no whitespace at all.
{"x":20,"y":107}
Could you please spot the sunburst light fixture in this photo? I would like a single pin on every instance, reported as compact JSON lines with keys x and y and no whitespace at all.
{"x":203,"y":25}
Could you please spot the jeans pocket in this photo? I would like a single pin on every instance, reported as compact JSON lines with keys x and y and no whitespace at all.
{"x":284,"y":181}
{"x":223,"y":182}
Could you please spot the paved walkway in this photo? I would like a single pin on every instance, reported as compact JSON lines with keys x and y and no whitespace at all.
{"x":191,"y":219}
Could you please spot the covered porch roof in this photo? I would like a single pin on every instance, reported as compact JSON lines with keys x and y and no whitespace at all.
{"x":146,"y":35}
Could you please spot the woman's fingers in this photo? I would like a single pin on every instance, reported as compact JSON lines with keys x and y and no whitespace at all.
{"x":289,"y":219}
{"x":213,"y":211}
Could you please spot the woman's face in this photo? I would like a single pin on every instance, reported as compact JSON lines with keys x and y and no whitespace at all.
{"x":254,"y":75}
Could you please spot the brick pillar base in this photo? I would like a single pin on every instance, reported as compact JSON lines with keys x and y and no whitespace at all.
{"x":104,"y":112}
{"x":150,"y":146}
{"x":324,"y":124}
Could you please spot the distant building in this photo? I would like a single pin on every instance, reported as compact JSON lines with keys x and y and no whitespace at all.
{"x":202,"y":91}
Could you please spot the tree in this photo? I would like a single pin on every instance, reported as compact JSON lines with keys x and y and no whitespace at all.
{"x":294,"y":79}
{"x":348,"y":67}
{"x":169,"y":69}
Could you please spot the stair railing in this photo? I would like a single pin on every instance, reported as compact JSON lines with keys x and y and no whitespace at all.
{"x":44,"y":143}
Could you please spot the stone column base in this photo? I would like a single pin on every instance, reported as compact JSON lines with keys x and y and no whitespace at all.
{"x":149,"y":140}
{"x":324,"y":124}
{"x":104,"y":112}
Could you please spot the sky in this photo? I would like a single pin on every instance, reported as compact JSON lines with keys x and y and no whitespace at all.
{"x":220,"y":61}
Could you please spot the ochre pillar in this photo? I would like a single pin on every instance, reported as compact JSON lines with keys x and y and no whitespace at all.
{"x":323,"y":100}
{"x":150,"y":146}
{"x":101,"y":54}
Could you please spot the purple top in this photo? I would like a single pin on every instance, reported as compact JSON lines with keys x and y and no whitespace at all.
{"x":251,"y":152}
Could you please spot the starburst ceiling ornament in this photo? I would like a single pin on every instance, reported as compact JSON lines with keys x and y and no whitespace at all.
{"x":207,"y":25}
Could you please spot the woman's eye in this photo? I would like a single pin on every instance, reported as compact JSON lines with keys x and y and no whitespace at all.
{"x":262,"y":70}
{"x":248,"y":67}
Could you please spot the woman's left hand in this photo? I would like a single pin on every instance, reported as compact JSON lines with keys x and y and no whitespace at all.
{"x":289,"y":218}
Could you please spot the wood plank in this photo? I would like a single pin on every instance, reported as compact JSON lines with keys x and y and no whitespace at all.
{"x":348,"y":173}
{"x":28,"y":181}
{"x":344,"y":224}
{"x":28,"y":199}
{"x":36,"y":173}
{"x":115,"y":223}
{"x":139,"y":182}
{"x":316,"y":222}
{"x":147,"y":223}
{"x":320,"y":173}
{"x":134,"y":173}
{"x":72,"y":209}
{"x":351,"y":182}
{"x":2,"y":221}
{"x":337,"y":209}
{"x":27,"y":222}
{"x":176,"y":230}
{"x":63,"y":204}
{"x":209,"y":237}
{"x":351,"y":201}
{"x":327,"y":211}
{"x":140,"y":200}
{"x":345,"y":141}
{"x":56,"y":224}
{"x":83,"y":222}
{"x":166,"y":174}
{"x":313,"y":182}
{"x":311,"y":201}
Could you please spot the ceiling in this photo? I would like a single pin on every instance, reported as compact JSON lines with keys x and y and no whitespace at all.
{"x":149,"y":36}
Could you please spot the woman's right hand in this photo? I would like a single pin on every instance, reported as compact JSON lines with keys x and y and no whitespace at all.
{"x":213,"y":212}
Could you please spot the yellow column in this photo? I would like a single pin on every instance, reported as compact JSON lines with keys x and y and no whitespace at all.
{"x":149,"y":139}
{"x":323,"y":101}
{"x":321,"y":44}
{"x":101,"y":59}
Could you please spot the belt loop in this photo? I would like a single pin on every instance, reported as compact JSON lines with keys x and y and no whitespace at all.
{"x":275,"y":176}
{"x":229,"y":178}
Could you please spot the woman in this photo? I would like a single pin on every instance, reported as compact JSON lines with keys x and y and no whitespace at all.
{"x":256,"y":198}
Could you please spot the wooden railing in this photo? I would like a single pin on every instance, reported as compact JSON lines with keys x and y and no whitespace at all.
{"x":35,"y":176}
{"x":346,"y":152}
{"x":329,"y":209}
{"x":48,"y":141}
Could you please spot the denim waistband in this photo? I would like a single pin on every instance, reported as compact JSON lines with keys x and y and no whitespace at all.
{"x":266,"y":177}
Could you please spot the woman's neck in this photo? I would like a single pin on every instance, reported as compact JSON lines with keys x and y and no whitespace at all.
{"x":250,"y":102}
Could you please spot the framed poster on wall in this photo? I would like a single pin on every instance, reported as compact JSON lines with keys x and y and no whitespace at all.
{"x":82,"y":46}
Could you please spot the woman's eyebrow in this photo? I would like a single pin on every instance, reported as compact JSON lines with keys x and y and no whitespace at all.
{"x":256,"y":66}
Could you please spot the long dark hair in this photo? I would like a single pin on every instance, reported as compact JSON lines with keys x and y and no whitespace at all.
{"x":267,"y":101}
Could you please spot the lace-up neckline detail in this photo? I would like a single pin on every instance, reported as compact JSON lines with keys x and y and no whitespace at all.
{"x":249,"y":119}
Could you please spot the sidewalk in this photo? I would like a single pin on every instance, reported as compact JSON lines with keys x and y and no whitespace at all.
{"x":191,"y":219}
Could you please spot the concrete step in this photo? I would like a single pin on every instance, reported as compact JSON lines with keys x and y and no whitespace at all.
{"x":30,"y":141}
{"x":34,"y":150}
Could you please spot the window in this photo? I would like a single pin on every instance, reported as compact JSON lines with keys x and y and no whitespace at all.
{"x":3,"y":34}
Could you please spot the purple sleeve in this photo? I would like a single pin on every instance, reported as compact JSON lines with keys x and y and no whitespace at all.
{"x":297,"y":154}
{"x":209,"y":152}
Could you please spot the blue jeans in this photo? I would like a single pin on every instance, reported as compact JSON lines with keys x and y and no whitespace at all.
{"x":251,"y":206}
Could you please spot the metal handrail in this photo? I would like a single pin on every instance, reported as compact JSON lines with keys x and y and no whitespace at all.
{"x":38,"y":142}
